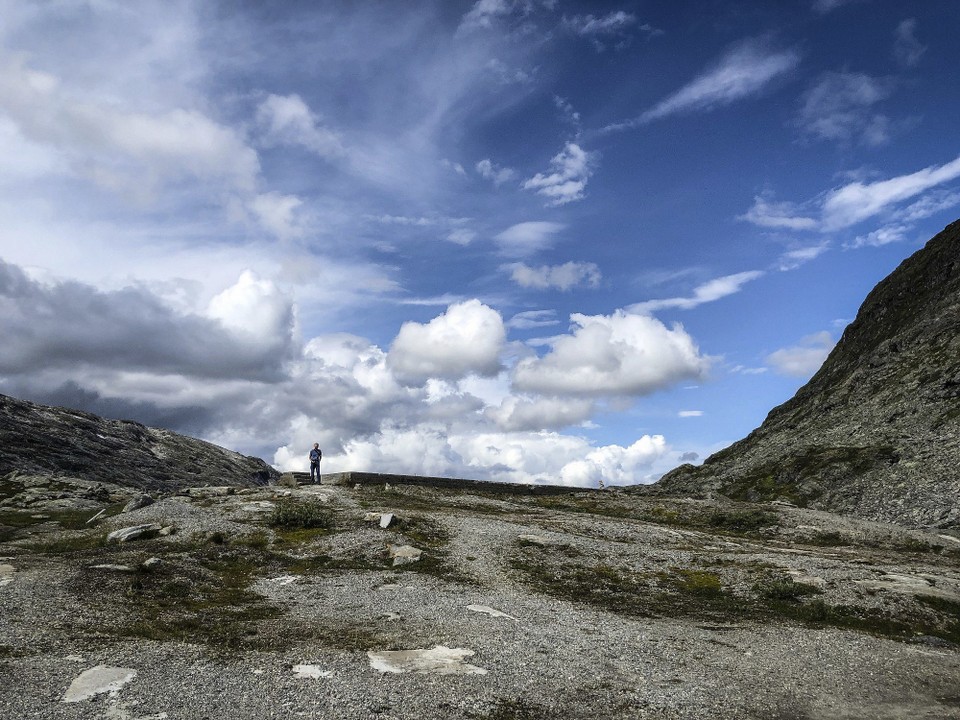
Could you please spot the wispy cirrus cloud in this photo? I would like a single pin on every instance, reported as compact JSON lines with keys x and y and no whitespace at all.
{"x":744,"y":71}
{"x":708,"y":292}
{"x":858,"y":201}
{"x":907,"y":49}
{"x":838,"y":107}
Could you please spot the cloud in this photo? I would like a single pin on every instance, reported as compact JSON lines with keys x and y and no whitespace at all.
{"x":838,"y":106}
{"x":615,"y":465}
{"x":466,"y":339}
{"x":615,"y":25}
{"x":767,"y":213}
{"x":277,"y":213}
{"x":613,"y":22}
{"x":802,"y":360}
{"x":485,"y":12}
{"x":822,"y":7}
{"x":743,"y":71}
{"x":286,"y":120}
{"x":562,"y":277}
{"x":881,"y":236}
{"x":494,"y":173}
{"x":120,"y":149}
{"x":612,"y":355}
{"x":527,"y":238}
{"x":462,"y":236}
{"x":708,"y":292}
{"x":858,"y":201}
{"x":690,"y":413}
{"x":907,"y":49}
{"x":64,"y":325}
{"x":550,"y":413}
{"x":571,"y":169}
{"x":793,"y":259}
{"x":533,"y":319}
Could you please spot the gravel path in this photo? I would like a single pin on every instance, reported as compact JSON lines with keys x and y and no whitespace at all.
{"x":555,"y":656}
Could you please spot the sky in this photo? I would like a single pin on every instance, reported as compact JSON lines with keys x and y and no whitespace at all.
{"x":537,"y":241}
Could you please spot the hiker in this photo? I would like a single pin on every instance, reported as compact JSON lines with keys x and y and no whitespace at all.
{"x":315,"y":456}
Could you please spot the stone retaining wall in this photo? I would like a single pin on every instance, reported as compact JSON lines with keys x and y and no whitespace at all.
{"x":367,"y":478}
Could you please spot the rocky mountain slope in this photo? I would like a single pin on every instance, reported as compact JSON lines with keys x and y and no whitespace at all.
{"x":876,"y":432}
{"x":409,"y":602}
{"x":69,"y":445}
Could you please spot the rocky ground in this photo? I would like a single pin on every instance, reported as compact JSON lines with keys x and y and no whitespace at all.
{"x":414,"y":602}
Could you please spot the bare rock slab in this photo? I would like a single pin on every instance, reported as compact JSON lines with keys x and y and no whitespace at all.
{"x":440,"y":660}
{"x":98,"y":680}
{"x":6,"y":574}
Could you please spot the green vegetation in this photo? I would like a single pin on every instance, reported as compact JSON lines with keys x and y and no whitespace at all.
{"x":742,"y":521}
{"x":702,"y":594}
{"x":301,"y":515}
{"x":207,"y":600}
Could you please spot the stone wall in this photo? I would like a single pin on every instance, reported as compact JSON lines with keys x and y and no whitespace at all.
{"x":366,"y":478}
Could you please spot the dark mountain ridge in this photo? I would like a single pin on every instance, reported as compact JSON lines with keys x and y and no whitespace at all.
{"x":42,"y":440}
{"x":876,"y":431}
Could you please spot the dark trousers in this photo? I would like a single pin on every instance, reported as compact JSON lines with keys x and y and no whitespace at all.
{"x":315,"y":472}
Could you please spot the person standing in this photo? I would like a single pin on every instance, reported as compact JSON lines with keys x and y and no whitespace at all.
{"x":315,"y":457}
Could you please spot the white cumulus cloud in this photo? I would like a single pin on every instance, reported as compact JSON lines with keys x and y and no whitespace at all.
{"x":612,"y":355}
{"x":466,"y":339}
{"x":287,"y":120}
{"x":804,"y":359}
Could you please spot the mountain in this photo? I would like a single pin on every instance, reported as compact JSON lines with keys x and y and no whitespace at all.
{"x":42,"y":440}
{"x":876,"y":432}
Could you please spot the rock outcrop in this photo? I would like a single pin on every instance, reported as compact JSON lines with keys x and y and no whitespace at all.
{"x":876,"y":432}
{"x":48,"y":441}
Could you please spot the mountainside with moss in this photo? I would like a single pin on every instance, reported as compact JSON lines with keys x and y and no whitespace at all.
{"x":876,"y":432}
{"x":38,"y":440}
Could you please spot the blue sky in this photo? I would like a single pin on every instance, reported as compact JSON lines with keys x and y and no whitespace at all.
{"x":527,"y":240}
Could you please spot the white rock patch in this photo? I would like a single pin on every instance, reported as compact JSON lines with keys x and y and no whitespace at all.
{"x":311,"y":672}
{"x":97,"y":680}
{"x":489,"y":611}
{"x":440,"y":660}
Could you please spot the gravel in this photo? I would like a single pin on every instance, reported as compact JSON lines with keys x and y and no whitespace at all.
{"x":560,"y":657}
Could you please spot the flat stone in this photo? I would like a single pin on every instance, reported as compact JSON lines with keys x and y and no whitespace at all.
{"x":98,"y":680}
{"x":386,"y":520}
{"x":404,"y":554}
{"x":536,"y":540}
{"x":151,"y":563}
{"x":113,"y":568}
{"x":135,"y":532}
{"x":439,"y":660}
{"x":167,"y":531}
{"x":372,"y":517}
{"x":311,"y":672}
{"x":258,"y":506}
{"x":489,"y":611}
{"x":283,"y":580}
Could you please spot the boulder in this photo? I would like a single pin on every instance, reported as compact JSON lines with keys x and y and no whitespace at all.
{"x":135,"y":532}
